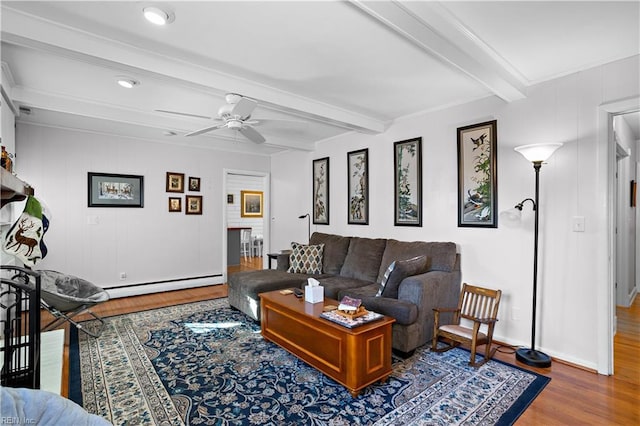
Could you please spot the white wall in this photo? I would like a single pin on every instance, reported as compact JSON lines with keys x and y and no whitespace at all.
{"x":149,"y":244}
{"x":570,"y":268}
{"x":290,"y":198}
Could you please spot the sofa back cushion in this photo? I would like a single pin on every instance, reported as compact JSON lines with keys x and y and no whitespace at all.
{"x":441,"y":256}
{"x":335,"y":251}
{"x":363,"y":258}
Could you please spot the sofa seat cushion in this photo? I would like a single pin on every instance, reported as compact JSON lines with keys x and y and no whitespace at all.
{"x":334,"y":284}
{"x":359,"y":292}
{"x":252,"y":283}
{"x":335,"y":251}
{"x":363,"y":258}
{"x":403,"y":311}
{"x":441,"y":256}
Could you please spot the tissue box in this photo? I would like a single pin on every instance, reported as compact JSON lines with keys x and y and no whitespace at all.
{"x":314,"y":294}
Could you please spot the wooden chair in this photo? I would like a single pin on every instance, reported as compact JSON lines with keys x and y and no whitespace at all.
{"x":245,"y":243}
{"x":478,"y":305}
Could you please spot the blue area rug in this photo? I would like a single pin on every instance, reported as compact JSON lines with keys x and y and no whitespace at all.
{"x":207,"y":364}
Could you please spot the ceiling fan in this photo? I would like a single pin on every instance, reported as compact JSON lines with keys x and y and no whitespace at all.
{"x":235,"y":115}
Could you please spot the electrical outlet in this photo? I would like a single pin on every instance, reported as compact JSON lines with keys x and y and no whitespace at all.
{"x":123,"y":275}
{"x":515,"y":314}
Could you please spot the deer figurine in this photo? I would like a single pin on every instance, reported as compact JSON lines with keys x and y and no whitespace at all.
{"x":20,"y":239}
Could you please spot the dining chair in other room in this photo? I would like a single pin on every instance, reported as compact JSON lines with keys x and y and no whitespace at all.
{"x":245,"y":242}
{"x":256,"y":246}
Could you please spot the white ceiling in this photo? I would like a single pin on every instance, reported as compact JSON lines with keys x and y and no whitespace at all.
{"x":326,"y":67}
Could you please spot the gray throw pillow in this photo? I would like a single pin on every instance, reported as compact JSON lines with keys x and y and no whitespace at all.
{"x":398,"y":271}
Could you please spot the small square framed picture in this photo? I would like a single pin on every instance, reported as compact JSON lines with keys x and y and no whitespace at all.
{"x":193,"y":204}
{"x":175,"y":204}
{"x":194,"y":184}
{"x":175,"y":182}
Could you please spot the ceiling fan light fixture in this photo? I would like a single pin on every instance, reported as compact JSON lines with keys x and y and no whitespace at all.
{"x":127,"y":82}
{"x":158,"y":16}
{"x":234,"y":124}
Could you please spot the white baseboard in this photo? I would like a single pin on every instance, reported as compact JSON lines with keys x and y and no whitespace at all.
{"x":554,"y":354}
{"x":164,"y":286}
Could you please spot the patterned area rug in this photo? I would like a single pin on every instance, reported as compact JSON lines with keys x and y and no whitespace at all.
{"x":207,"y":364}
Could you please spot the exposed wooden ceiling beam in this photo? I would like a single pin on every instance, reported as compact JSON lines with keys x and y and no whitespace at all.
{"x":429,"y":26}
{"x":30,"y":31}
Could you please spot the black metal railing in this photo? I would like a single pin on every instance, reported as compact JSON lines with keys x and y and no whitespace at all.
{"x":20,"y":327}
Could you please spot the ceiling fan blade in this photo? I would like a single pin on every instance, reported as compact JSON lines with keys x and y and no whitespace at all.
{"x":244,"y":107}
{"x":252,"y":134}
{"x":206,"y":129}
{"x":184,"y":114}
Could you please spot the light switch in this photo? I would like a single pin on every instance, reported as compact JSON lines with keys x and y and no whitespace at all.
{"x":93,"y":220}
{"x":577,"y":223}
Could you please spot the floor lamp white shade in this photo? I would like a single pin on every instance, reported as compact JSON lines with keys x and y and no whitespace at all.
{"x":538,"y":152}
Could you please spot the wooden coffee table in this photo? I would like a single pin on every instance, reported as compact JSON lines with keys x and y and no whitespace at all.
{"x":354,"y":357}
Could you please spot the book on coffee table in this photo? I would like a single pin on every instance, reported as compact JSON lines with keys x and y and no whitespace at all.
{"x":351,"y":322}
{"x":348,"y":304}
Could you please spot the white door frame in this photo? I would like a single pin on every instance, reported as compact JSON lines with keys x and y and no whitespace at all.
{"x":605,"y":196}
{"x":266,"y":185}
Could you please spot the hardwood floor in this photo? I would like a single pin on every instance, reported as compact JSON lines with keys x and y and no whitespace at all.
{"x":578,"y":397}
{"x":573,"y":397}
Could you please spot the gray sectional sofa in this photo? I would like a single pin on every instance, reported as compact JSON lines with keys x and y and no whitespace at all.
{"x":354,"y":266}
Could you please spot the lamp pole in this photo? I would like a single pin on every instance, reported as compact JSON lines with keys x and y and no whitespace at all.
{"x":308,"y":224}
{"x":531,"y":356}
{"x":537,"y":154}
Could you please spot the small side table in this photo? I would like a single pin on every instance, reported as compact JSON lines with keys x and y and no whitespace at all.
{"x":272,"y":256}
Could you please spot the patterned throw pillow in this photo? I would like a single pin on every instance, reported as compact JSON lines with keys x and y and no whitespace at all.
{"x":306,"y":259}
{"x":398,"y":271}
{"x":385,"y":278}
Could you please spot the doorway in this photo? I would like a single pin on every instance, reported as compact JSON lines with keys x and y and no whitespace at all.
{"x":255,"y":188}
{"x":626,"y":134}
{"x":626,"y":231}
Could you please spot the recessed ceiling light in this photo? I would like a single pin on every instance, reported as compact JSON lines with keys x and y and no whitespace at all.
{"x":157,"y":16}
{"x":127,"y":83}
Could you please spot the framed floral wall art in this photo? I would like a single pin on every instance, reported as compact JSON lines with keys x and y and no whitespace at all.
{"x":193,"y":204}
{"x":194,"y":184}
{"x":477,"y":175}
{"x":407,"y":164}
{"x":358,"y":187}
{"x":175,"y":204}
{"x":175,"y":182}
{"x":321,"y":191}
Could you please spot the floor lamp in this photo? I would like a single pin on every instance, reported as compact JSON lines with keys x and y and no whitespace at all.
{"x":308,"y":223}
{"x":537,"y":154}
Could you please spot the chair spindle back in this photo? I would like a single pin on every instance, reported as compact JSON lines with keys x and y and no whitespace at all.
{"x":478,"y":302}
